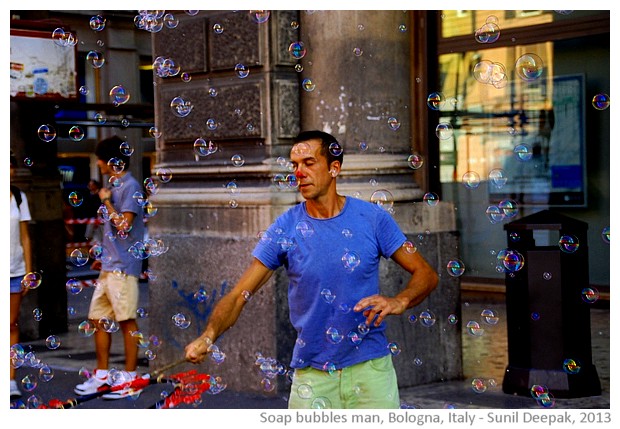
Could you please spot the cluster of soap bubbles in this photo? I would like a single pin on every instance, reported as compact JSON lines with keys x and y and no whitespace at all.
{"x":509,"y":261}
{"x":528,"y":67}
{"x":165,"y":67}
{"x":65,"y":39}
{"x":491,"y":73}
{"x":489,"y":32}
{"x":41,"y":372}
{"x":147,"y":248}
{"x":155,"y":20}
{"x":505,"y":209}
{"x":543,"y":397}
{"x":481,"y":385}
{"x":269,"y":369}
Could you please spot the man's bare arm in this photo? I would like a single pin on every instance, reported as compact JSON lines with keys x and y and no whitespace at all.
{"x":228,"y":309}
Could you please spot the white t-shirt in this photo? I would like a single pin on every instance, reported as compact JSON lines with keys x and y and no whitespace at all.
{"x":18,"y":214}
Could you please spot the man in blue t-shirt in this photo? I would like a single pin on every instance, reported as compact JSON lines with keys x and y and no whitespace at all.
{"x":330,"y":246}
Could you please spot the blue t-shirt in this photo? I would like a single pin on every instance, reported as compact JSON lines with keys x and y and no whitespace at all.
{"x":332,"y":264}
{"x":116,"y":248}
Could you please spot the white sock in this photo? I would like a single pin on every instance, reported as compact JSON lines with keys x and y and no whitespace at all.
{"x":101,"y":374}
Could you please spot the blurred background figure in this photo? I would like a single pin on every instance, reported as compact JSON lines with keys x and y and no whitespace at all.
{"x":21,"y":261}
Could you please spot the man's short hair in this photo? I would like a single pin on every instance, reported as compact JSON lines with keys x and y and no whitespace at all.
{"x":330,"y":148}
{"x":111,"y":148}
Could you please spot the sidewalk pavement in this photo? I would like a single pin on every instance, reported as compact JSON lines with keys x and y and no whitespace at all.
{"x":483,"y":357}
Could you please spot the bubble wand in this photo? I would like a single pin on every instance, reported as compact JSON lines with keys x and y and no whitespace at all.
{"x":154,"y":377}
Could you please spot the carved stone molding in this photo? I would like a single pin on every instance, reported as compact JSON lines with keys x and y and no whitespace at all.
{"x":185,"y":44}
{"x":238,"y":41}
{"x":285,"y":33}
{"x":235,"y":110}
{"x":287,"y":113}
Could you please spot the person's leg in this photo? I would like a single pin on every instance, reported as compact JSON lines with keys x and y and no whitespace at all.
{"x":124,"y":297}
{"x":371,"y":384}
{"x":103,"y":341}
{"x":313,"y":388}
{"x":131,"y":345}
{"x":101,"y":307}
{"x":16,"y":299}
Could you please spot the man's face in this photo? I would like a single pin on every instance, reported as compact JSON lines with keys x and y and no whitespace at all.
{"x":311,"y":169}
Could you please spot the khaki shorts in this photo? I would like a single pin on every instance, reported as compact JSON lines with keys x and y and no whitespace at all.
{"x":369,"y":384}
{"x":116,"y":296}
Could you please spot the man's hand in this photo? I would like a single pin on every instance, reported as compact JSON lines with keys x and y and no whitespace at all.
{"x":196,"y":351}
{"x":377,"y":307}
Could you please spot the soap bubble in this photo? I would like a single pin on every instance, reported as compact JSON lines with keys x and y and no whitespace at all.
{"x":568,"y":243}
{"x":471,"y":180}
{"x":529,"y":67}
{"x":488,"y":33}
{"x":415,"y":161}
{"x":431,"y":198}
{"x":32,"y":280}
{"x":96,"y":59}
{"x":119,"y":95}
{"x":394,"y":349}
{"x":455,"y":267}
{"x":237,"y":160}
{"x":47,"y":133}
{"x":497,"y":177}
{"x":489,"y":316}
{"x":571,"y":366}
{"x":590,"y":295}
{"x":427,"y":318}
{"x":297,"y":50}
{"x":308,"y":85}
{"x":75,"y":199}
{"x":46,"y":373}
{"x":97,"y":23}
{"x":444,"y":130}
{"x":478,"y":385}
{"x":393,"y":123}
{"x":52,"y":342}
{"x":383,"y":198}
{"x":242,"y":71}
{"x":435,"y":100}
{"x":600,"y":101}
{"x":87,"y":328}
{"x":259,"y":16}
{"x":180,"y":107}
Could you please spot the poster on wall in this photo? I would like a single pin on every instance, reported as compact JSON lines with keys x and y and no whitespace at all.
{"x":546,"y":165}
{"x":43,"y":65}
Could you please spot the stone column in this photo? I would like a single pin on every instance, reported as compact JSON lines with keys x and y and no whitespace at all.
{"x":211,"y":211}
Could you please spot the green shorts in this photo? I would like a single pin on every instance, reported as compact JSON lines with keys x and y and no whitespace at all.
{"x":369,"y":384}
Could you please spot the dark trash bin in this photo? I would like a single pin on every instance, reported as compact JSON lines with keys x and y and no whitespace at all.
{"x":548,"y":307}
